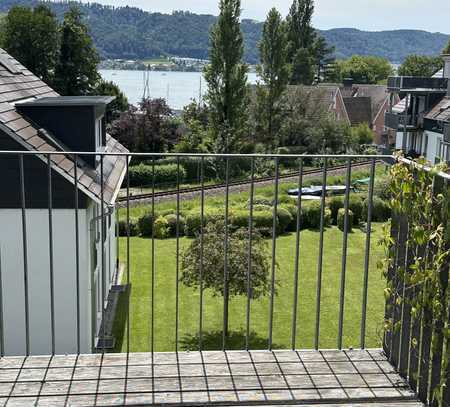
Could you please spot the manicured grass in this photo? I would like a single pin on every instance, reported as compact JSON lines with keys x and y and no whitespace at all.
{"x":165,"y":299}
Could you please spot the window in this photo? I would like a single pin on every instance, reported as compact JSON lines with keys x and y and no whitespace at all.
{"x":98,"y":133}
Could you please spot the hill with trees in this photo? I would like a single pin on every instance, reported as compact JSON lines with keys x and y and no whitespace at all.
{"x":131,"y":33}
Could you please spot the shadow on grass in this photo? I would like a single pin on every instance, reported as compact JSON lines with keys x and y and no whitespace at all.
{"x":120,"y":319}
{"x":212,"y":340}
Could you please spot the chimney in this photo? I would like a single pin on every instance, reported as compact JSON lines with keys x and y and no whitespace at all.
{"x":348,"y":82}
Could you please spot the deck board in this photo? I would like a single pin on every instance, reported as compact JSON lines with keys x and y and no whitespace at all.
{"x":352,"y":377}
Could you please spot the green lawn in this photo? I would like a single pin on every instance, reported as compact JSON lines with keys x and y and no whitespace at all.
{"x":165,"y":288}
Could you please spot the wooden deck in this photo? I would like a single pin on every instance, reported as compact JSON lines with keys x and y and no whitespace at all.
{"x":356,"y":378}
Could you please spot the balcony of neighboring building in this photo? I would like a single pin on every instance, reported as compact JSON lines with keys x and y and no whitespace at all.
{"x":414,"y":84}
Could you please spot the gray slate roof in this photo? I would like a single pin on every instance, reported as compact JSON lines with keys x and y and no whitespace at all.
{"x":440,"y":112}
{"x":23,"y":85}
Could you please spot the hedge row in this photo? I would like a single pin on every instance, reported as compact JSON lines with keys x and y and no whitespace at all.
{"x":142,"y":175}
{"x":168,"y":224}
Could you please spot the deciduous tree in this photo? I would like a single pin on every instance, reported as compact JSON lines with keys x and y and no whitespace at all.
{"x":365,"y":69}
{"x":120,"y":103}
{"x":31,"y":36}
{"x":420,"y":65}
{"x":205,"y":257}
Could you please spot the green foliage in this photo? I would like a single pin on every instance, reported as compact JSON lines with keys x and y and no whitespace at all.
{"x":341,"y":220}
{"x":420,"y":65}
{"x":292,"y":209}
{"x":381,"y":188}
{"x":109,"y":88}
{"x":172,"y":223}
{"x":274,"y":73}
{"x":356,"y":205}
{"x":144,"y":175}
{"x":446,"y":50}
{"x":226,"y":76}
{"x":161,"y":228}
{"x":335,"y":204}
{"x":76,"y":68}
{"x":145,"y":224}
{"x":365,"y":69}
{"x":381,"y":211}
{"x":133,"y":227}
{"x":194,"y":220}
{"x":361,"y":134}
{"x":420,"y":200}
{"x":285,"y":219}
{"x":311,"y":215}
{"x":206,"y":257}
{"x":31,"y":36}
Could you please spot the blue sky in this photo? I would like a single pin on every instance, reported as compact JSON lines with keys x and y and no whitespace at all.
{"x":430,"y":15}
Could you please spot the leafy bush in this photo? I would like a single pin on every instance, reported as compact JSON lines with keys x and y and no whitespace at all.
{"x":311,"y":213}
{"x":145,"y":224}
{"x":292,"y":209}
{"x":335,"y":203}
{"x":381,"y":210}
{"x":194,"y":222}
{"x":134,"y":230}
{"x":258,"y":208}
{"x":356,"y":205}
{"x":161,"y":228}
{"x":341,"y":219}
{"x":381,"y":188}
{"x":172,"y":224}
{"x":142,"y":174}
{"x":260,"y":200}
{"x":284,"y":219}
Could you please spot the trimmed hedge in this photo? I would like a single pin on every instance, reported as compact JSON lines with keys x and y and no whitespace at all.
{"x":194,"y":221}
{"x":311,"y":212}
{"x":142,"y":175}
{"x":172,"y":224}
{"x":341,"y":219}
{"x":335,"y":203}
{"x":284,"y":219}
{"x":381,"y":210}
{"x":134,"y":229}
{"x":145,"y":224}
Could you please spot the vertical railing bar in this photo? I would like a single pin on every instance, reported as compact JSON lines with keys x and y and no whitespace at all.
{"x":225,"y":271}
{"x":128,"y":256}
{"x":50,"y":245}
{"x":320,"y":261}
{"x":25,"y":254}
{"x":2,"y":332}
{"x":274,"y":251}
{"x":297,"y":255}
{"x":367,"y":256}
{"x":344,"y":253}
{"x":202,"y":221}
{"x":177,"y":265}
{"x":77,"y":250}
{"x":249,"y":269}
{"x":102,"y":244}
{"x":152,"y":346}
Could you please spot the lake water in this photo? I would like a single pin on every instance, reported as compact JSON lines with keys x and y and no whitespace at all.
{"x":178,"y":88}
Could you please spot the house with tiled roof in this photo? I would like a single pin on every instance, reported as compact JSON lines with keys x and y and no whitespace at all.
{"x":421,"y":119}
{"x":69,"y":226}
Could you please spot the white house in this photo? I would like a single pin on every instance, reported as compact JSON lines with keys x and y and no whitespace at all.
{"x":422,"y":117}
{"x":43,"y":254}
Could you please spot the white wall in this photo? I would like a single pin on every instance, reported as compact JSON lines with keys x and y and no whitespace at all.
{"x":434,"y":140}
{"x":11,"y":243}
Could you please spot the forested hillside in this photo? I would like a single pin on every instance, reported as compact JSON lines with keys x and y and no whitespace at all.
{"x":131,"y":33}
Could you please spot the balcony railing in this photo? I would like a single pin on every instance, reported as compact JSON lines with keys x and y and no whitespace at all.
{"x":397,"y":121}
{"x":318,"y":288}
{"x":447,"y":132}
{"x":409,"y":83}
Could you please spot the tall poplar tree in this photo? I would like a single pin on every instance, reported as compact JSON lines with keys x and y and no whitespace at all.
{"x":226,"y":76}
{"x":274,"y":73}
{"x":301,"y":37}
{"x":76,"y":70}
{"x":31,"y":36}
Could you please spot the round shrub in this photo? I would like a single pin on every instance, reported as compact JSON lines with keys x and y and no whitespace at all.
{"x":292,"y":209}
{"x":311,"y":214}
{"x":142,"y":174}
{"x":172,"y":224}
{"x":341,"y":219}
{"x":382,"y":188}
{"x":335,"y":203}
{"x":145,"y":224}
{"x":257,"y":208}
{"x":161,"y":228}
{"x":284,"y":219}
{"x":356,"y":205}
{"x":134,"y":230}
{"x":381,"y":210}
